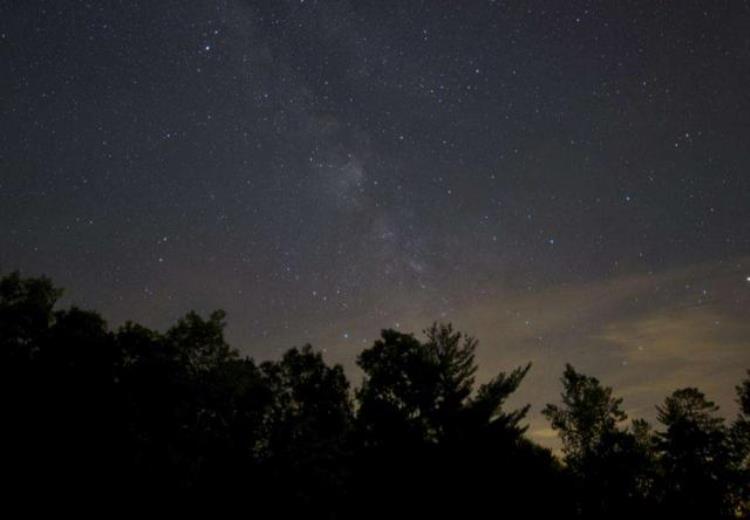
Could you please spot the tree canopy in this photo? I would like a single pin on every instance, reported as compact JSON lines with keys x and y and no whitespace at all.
{"x":181,"y":415}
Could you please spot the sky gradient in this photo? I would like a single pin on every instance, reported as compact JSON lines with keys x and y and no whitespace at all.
{"x":566,"y":181}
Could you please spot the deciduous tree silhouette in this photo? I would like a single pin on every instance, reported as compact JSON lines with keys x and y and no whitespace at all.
{"x":699,"y":472}
{"x":427,"y":432}
{"x":741,"y":445}
{"x":588,"y":414}
{"x":612,"y":466}
{"x":308,"y":432}
{"x":182,"y":417}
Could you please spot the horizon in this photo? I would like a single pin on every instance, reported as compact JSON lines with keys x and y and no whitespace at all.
{"x":567,"y":183}
{"x":506,"y":353}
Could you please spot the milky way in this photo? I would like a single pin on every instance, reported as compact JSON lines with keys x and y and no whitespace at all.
{"x":568,"y":181}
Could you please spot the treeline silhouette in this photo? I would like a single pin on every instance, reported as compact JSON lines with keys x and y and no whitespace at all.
{"x":180,"y":416}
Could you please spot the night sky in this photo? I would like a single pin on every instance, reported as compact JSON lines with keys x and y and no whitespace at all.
{"x":568,"y":181}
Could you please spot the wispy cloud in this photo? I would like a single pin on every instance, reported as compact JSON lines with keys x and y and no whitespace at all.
{"x":643,"y":334}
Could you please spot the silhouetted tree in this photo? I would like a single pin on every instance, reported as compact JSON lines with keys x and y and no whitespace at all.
{"x":740,"y":434}
{"x":427,"y":432}
{"x":182,"y":417}
{"x":612,"y":466}
{"x":699,"y":477}
{"x":308,"y":428}
{"x":26,"y":312}
{"x":588,"y":414}
{"x":398,"y":391}
{"x":200,"y":343}
{"x":423,"y":392}
{"x":741,"y":426}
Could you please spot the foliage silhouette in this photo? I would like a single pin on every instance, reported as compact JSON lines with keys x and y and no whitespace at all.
{"x":612,"y":466}
{"x":701,"y":475}
{"x":182,"y":417}
{"x":424,"y":431}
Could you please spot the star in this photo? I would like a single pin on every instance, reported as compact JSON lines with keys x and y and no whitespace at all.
{"x":428,"y":170}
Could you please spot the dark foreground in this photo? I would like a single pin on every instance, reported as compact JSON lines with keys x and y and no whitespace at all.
{"x":91,"y":414}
